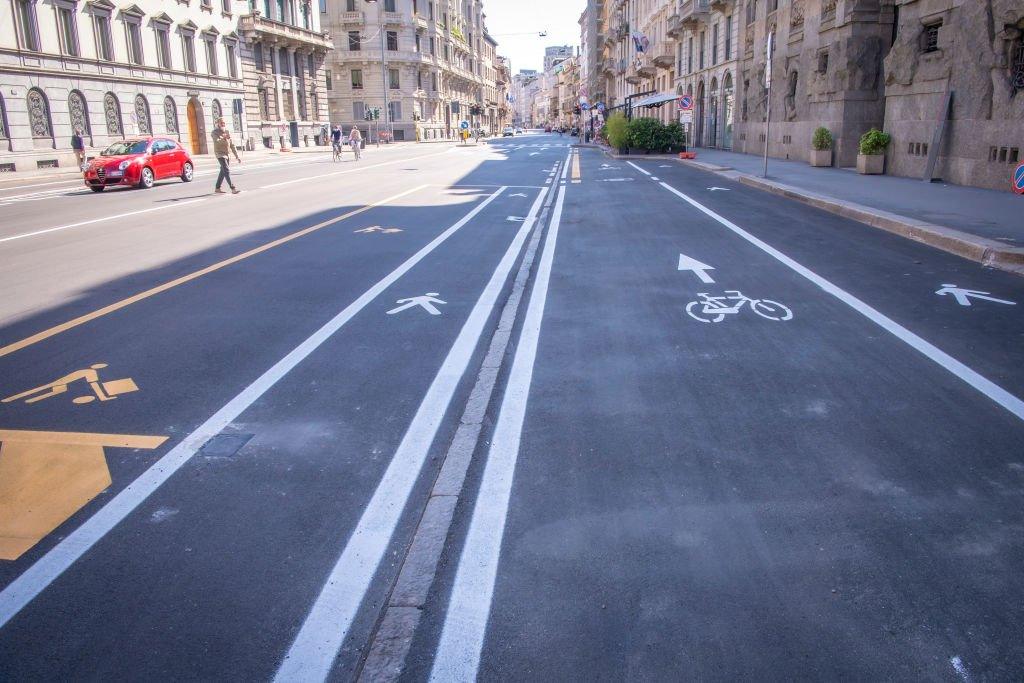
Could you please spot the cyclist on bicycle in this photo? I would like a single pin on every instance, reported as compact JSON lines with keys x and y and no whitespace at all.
{"x":355,"y":138}
{"x":336,"y":141}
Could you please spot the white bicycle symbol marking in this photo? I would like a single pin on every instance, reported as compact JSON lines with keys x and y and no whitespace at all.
{"x":713,"y":309}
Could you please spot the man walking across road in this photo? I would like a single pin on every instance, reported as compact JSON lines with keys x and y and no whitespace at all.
{"x":78,"y":147}
{"x":222,"y":148}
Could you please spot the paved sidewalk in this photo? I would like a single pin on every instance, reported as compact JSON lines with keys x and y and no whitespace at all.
{"x":983,"y":225}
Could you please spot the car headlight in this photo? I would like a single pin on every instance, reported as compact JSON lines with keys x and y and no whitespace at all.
{"x":123,"y":165}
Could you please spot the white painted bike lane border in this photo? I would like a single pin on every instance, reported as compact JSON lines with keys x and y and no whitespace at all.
{"x":462,"y":638}
{"x":313,"y":653}
{"x":37,"y":577}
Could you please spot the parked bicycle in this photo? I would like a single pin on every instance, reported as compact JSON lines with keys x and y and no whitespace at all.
{"x":713,"y":309}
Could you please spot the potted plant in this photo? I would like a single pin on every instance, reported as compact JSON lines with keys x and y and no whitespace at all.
{"x":616,"y":132}
{"x":644,"y":135}
{"x":821,"y":147}
{"x":871,"y":160}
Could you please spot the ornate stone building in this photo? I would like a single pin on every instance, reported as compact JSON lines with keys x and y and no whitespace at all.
{"x":166,"y":68}
{"x":283,"y":59}
{"x":440,"y":65}
{"x":975,"y":50}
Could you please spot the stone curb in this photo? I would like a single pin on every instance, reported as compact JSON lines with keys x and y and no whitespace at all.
{"x":979,"y":249}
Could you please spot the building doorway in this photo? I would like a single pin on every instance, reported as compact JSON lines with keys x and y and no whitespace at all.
{"x":713,"y":114}
{"x":698,"y":119}
{"x":196,"y":128}
{"x":294,"y":131}
{"x":729,"y":106}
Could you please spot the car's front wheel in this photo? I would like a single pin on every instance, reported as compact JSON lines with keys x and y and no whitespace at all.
{"x":146,"y":178}
{"x":97,"y":188}
{"x":187,"y":172}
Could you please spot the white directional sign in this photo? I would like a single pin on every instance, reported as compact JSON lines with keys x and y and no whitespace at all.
{"x":964,"y":296}
{"x":699,"y":269}
{"x":719,"y":189}
{"x":426,"y":302}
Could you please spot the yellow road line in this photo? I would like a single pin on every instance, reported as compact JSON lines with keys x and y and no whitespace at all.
{"x":81,"y":439}
{"x":124,"y":303}
{"x":576,"y":167}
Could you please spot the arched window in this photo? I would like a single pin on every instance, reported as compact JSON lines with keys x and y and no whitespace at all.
{"x":170,"y":116}
{"x":112,"y":114}
{"x":79,"y":113}
{"x":39,"y":114}
{"x":217,"y":111}
{"x":142,"y":116}
{"x":1017,"y":61}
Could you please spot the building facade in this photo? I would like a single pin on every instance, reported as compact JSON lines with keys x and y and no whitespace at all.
{"x":438,"y":65}
{"x":283,"y":60}
{"x":846,"y":65}
{"x":167,"y":68}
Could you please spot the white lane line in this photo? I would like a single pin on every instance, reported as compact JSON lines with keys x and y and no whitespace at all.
{"x":465,"y":624}
{"x":102,"y":219}
{"x":46,"y":569}
{"x":638,"y":168}
{"x":352,"y":170}
{"x":985,"y":386}
{"x":316,"y":646}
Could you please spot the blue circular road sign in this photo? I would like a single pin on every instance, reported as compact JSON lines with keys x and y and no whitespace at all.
{"x":686,"y":102}
{"x":1018,"y":180}
{"x":464,"y":125}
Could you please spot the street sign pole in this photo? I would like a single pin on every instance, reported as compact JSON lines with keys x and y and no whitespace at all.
{"x":768,"y":112}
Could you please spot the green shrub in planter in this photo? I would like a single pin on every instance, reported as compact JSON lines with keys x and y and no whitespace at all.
{"x":674,"y":134}
{"x":822,"y":139}
{"x":874,"y":142}
{"x":645,"y":134}
{"x":616,"y":130}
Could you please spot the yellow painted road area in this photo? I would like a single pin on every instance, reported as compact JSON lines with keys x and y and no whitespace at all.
{"x":576,"y":175}
{"x":124,"y":303}
{"x":45,"y":477}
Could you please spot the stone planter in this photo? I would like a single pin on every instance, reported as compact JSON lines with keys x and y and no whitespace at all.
{"x":821,"y":157}
{"x":871,"y":164}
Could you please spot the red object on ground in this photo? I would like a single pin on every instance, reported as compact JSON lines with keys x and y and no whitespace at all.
{"x":139,"y":162}
{"x":687,"y":155}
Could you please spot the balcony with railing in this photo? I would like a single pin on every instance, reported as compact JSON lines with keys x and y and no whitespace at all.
{"x":664,"y":53}
{"x":693,"y":12}
{"x":255,"y":27}
{"x":353,"y":18}
{"x":724,"y":6}
{"x":674,"y":26}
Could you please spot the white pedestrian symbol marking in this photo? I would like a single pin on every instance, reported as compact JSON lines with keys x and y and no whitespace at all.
{"x":713,"y":309}
{"x":964,"y":296}
{"x":719,"y":189}
{"x":699,"y":269}
{"x":377,"y":228}
{"x":426,"y":301}
{"x":516,"y":219}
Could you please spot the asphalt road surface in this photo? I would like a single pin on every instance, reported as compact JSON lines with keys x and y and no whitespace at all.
{"x":712,"y":433}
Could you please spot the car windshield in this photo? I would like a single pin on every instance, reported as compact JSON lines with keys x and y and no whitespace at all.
{"x":126,"y":147}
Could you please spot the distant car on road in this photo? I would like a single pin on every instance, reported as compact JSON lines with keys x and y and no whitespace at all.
{"x":519,"y":131}
{"x":508,"y":132}
{"x":139,"y":162}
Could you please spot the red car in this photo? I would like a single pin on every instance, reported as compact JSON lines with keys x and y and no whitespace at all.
{"x":139,"y":162}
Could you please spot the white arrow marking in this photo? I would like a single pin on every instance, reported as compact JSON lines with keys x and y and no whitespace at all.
{"x":963,"y":296}
{"x":616,"y":180}
{"x":516,"y":219}
{"x":716,"y":189}
{"x":533,"y":154}
{"x":664,"y":166}
{"x":699,"y":269}
{"x":517,"y":194}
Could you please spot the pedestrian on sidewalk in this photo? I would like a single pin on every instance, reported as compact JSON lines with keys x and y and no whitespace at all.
{"x":223,"y":146}
{"x":355,"y":138}
{"x":78,"y":147}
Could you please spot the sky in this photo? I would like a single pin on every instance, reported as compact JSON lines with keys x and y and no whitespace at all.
{"x":527,"y":18}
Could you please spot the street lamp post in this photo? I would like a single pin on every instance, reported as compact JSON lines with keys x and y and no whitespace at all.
{"x":383,"y":66}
